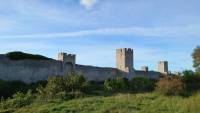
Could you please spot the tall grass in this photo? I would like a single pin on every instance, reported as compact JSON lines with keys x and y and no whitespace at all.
{"x":120,"y":103}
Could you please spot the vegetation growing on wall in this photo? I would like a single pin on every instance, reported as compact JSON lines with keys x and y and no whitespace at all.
{"x":17,"y":55}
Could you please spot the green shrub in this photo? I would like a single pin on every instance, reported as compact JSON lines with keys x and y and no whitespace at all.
{"x":19,"y":100}
{"x":117,"y":84}
{"x":141,"y":84}
{"x":59,"y":87}
{"x":76,"y":82}
{"x":192,"y":80}
{"x":55,"y":85}
{"x":170,"y":85}
{"x":17,"y":55}
{"x":8,"y":88}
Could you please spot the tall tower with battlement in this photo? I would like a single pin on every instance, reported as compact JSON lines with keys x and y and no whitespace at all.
{"x":124,"y":59}
{"x":163,"y":67}
{"x":69,"y":60}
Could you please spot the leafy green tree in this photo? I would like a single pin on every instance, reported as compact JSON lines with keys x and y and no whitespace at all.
{"x":192,"y":80}
{"x":55,"y":85}
{"x":187,"y":73}
{"x":196,"y":58}
{"x":59,"y":87}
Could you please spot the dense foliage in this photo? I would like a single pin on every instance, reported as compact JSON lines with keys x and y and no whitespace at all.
{"x":8,"y":88}
{"x":64,"y":88}
{"x":117,"y":84}
{"x":18,"y":100}
{"x":196,"y":58}
{"x":17,"y":55}
{"x":140,"y":84}
{"x":191,"y":80}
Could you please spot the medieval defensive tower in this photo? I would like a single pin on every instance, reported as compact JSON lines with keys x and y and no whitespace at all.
{"x":124,"y":59}
{"x":163,"y":67}
{"x":69,"y":60}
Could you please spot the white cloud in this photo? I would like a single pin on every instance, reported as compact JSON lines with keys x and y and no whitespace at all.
{"x":88,"y":4}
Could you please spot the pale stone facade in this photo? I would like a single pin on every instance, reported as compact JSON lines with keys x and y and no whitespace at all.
{"x":145,"y":68}
{"x":34,"y":70}
{"x":124,"y":59}
{"x":69,"y":60}
{"x":163,"y":67}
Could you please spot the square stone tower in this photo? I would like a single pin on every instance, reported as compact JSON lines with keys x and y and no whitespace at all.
{"x":124,"y":59}
{"x":145,"y":68}
{"x":69,"y":60}
{"x":163,"y":67}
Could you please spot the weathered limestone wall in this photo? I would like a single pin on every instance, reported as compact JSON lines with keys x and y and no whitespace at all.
{"x":98,"y":73}
{"x":35,"y":70}
{"x":163,"y":67}
{"x":30,"y":70}
{"x":147,"y":74}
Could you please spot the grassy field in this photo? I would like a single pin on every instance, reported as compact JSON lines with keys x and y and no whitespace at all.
{"x":120,"y":103}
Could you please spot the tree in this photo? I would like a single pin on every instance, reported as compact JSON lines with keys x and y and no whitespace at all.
{"x":192,"y":80}
{"x":55,"y":85}
{"x":196,"y":58}
{"x":75,"y":82}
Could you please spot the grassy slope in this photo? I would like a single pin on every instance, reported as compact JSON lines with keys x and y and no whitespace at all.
{"x":121,"y":103}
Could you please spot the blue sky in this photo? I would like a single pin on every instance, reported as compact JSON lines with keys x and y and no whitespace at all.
{"x":93,"y":29}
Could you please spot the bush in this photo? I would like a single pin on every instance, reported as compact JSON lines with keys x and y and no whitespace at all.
{"x":55,"y":85}
{"x":59,"y":87}
{"x":141,"y":84}
{"x":192,"y":80}
{"x":18,"y":100}
{"x":172,"y":85}
{"x":76,"y":82}
{"x":117,"y":84}
{"x":8,"y":88}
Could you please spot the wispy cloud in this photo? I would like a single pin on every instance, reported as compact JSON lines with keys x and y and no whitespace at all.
{"x":136,"y":31}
